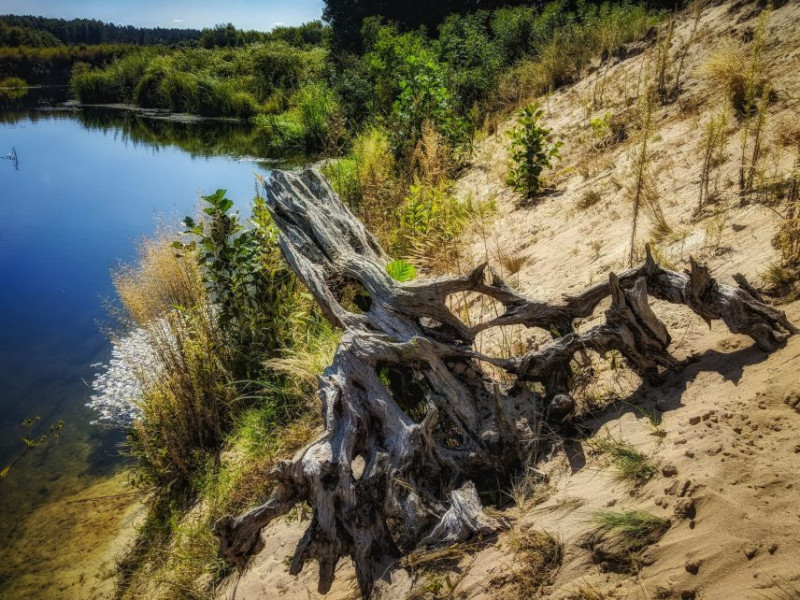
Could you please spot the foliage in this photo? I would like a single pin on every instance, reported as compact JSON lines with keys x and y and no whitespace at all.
{"x":314,"y":124}
{"x":280,"y":66}
{"x":401,"y":271}
{"x":246,"y":281}
{"x":531,"y":152}
{"x":346,"y":16}
{"x":221,"y":82}
{"x":53,"y":65}
{"x":29,"y":442}
{"x":424,"y":98}
{"x":429,"y":221}
{"x":472,"y":59}
{"x":561,"y":43}
{"x":43,"y":31}
{"x":14,"y":36}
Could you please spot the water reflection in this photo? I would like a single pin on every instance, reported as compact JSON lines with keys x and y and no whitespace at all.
{"x":91,"y":183}
{"x":154,"y":128}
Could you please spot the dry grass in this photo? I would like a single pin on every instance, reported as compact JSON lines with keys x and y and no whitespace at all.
{"x":725,"y":70}
{"x":187,"y":401}
{"x":643,"y":188}
{"x":162,"y":277}
{"x":586,"y":591}
{"x":537,"y":558}
{"x":589,"y":198}
{"x":529,"y":490}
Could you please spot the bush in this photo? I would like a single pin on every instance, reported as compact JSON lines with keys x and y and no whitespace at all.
{"x":472,"y":60}
{"x":314,"y":124}
{"x":95,"y":87}
{"x":424,"y":98}
{"x":246,"y":280}
{"x":531,"y":152}
{"x":13,"y":83}
{"x":430,"y":220}
{"x":279,"y":66}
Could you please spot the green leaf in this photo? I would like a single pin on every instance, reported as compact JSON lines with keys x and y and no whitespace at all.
{"x":5,"y":471}
{"x":400,"y":270}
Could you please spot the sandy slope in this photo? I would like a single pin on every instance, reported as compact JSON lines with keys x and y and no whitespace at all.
{"x":732,"y":439}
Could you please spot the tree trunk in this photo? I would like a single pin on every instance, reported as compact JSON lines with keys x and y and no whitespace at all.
{"x":406,"y":391}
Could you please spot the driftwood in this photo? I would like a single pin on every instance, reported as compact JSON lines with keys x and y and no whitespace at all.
{"x":407,"y":395}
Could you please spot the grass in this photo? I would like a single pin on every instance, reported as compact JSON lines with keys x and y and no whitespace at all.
{"x":537,"y":557}
{"x":589,"y":198}
{"x":620,"y":537}
{"x":629,"y":465}
{"x":586,"y":591}
{"x":237,"y":82}
{"x":193,"y":407}
{"x":783,"y":589}
{"x":529,"y":490}
{"x":560,"y":57}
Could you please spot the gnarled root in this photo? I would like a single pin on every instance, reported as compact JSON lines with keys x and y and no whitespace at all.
{"x":406,"y":393}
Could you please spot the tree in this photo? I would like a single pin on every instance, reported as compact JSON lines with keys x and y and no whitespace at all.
{"x":415,"y":428}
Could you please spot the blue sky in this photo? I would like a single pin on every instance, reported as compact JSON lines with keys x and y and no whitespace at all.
{"x":245,"y":14}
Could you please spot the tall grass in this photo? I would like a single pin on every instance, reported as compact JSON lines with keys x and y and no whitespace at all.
{"x":187,"y":402}
{"x":562,"y":51}
{"x":203,"y":304}
{"x":221,"y":82}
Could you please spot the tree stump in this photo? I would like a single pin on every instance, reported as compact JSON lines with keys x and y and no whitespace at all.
{"x":407,"y":392}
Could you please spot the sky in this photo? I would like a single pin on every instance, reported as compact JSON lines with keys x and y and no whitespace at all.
{"x":262,"y":15}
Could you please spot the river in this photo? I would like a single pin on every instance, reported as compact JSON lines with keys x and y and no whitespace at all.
{"x":89,"y":185}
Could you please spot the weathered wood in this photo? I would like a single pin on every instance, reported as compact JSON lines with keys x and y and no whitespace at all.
{"x":407,"y":393}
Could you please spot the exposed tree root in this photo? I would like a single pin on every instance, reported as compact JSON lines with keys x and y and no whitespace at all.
{"x":406,"y":391}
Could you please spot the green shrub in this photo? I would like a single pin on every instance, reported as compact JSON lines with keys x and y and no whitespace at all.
{"x":531,"y":152}
{"x":319,"y":113}
{"x":279,"y":66}
{"x":343,"y":177}
{"x":429,"y":221}
{"x":247,"y":281}
{"x":424,"y":98}
{"x":313,"y":125}
{"x":95,"y":87}
{"x":13,"y":83}
{"x":472,"y":60}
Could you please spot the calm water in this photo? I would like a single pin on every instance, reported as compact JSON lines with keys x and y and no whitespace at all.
{"x":89,"y":186}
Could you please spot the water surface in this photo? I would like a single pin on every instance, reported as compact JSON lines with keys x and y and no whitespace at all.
{"x":90,"y":184}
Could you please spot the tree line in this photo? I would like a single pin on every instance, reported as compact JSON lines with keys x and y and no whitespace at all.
{"x":42,"y":31}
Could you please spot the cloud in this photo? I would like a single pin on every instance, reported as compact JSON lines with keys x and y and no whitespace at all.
{"x":278,"y":24}
{"x":177,"y":20}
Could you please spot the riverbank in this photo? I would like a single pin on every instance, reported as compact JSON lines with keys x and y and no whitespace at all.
{"x":67,"y":549}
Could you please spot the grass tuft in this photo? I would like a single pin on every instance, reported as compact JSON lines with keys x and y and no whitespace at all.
{"x":620,"y":537}
{"x":537,"y":558}
{"x":629,"y":465}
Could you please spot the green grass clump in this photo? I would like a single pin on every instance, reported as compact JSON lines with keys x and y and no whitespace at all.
{"x":620,"y":537}
{"x":629,"y":465}
{"x":632,"y":530}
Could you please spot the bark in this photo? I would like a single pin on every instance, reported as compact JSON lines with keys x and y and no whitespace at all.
{"x":408,"y":393}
